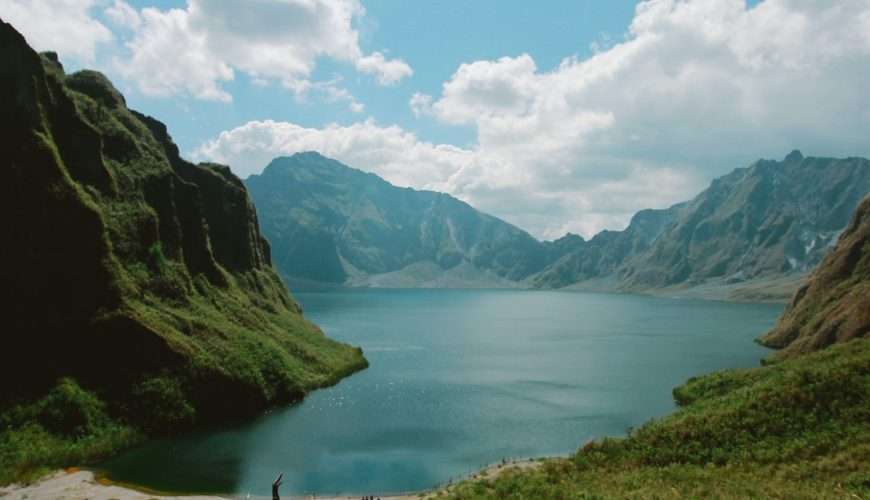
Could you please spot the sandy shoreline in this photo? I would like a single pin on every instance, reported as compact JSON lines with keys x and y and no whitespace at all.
{"x":76,"y":484}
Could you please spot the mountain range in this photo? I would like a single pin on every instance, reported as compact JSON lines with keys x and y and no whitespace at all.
{"x":333,"y":224}
{"x":753,"y":233}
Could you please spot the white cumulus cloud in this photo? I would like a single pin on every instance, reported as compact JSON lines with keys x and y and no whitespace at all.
{"x":694,"y":89}
{"x":193,"y":51}
{"x":167,"y":57}
{"x":421,"y":104}
{"x":388,"y":151}
{"x":540,"y":205}
{"x":123,"y":15}
{"x":388,"y":71}
{"x":65,"y":26}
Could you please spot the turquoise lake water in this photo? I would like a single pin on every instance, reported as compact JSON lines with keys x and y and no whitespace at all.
{"x":460,"y":379}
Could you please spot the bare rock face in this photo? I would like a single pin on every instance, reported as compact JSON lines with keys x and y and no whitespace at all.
{"x":834,"y":306}
{"x":607,"y":251}
{"x":125,"y":263}
{"x":767,"y":220}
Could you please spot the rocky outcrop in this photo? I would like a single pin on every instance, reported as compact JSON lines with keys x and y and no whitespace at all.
{"x":123,"y":263}
{"x":834,"y":305}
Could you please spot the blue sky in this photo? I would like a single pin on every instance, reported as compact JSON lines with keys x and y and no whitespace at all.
{"x":433,"y":37}
{"x":558,"y":116}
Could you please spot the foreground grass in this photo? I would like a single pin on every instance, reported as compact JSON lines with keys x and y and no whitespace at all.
{"x":798,"y":429}
{"x":69,"y":426}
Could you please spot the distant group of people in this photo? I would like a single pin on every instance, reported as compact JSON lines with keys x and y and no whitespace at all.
{"x":276,"y":485}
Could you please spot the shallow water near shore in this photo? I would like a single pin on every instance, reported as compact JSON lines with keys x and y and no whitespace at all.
{"x":460,"y":379}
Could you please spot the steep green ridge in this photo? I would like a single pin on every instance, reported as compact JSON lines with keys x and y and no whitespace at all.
{"x":834,"y":306}
{"x":798,"y":428}
{"x":334,"y":224}
{"x":140,"y":279}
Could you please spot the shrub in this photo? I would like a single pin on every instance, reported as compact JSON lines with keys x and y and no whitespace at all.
{"x":68,"y":426}
{"x":160,"y":404}
{"x":69,"y":410}
{"x":156,"y":258}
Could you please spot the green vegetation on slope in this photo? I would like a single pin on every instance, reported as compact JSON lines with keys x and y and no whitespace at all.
{"x":834,"y":305}
{"x":139,"y":280}
{"x":796,"y":429}
{"x":67,"y":426}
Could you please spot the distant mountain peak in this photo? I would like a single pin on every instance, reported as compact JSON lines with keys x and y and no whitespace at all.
{"x":309,"y":155}
{"x":569,"y":236}
{"x":300,"y":157}
{"x":306,"y":159}
{"x":794,"y":156}
{"x":303,"y":159}
{"x":308,"y":166}
{"x":332,"y":223}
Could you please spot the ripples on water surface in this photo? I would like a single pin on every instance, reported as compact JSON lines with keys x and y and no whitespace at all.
{"x":459,"y":379}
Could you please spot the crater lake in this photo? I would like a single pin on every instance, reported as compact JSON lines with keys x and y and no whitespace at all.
{"x":460,"y":379}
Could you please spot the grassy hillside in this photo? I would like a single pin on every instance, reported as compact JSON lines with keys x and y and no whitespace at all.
{"x":143,"y":298}
{"x":797,"y":429}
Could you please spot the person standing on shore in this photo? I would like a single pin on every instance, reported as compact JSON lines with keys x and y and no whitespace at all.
{"x":275,"y":485}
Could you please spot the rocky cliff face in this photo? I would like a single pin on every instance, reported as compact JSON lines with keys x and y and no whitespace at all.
{"x":607,"y":251}
{"x":765,"y":220}
{"x":124,"y":264}
{"x":834,"y":305}
{"x":332,"y":223}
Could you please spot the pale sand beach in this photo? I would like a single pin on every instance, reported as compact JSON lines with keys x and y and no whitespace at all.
{"x":79,"y":484}
{"x":76,"y":484}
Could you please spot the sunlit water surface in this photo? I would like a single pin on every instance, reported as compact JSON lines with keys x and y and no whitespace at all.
{"x":459,"y":379}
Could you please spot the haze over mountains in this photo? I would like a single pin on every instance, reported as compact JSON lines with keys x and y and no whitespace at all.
{"x":768,"y":220}
{"x":333,"y":224}
{"x":330,"y":224}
